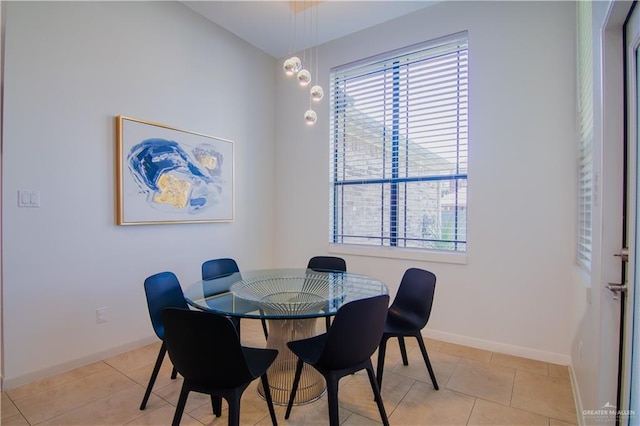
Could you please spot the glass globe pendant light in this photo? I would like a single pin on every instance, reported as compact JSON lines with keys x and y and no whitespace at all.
{"x":292,"y":66}
{"x":288,"y":68}
{"x":310,"y":117}
{"x":317,"y":93}
{"x":304,"y":77}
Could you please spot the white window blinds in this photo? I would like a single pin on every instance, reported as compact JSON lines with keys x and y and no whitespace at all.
{"x":585,"y":123}
{"x":399,"y":136}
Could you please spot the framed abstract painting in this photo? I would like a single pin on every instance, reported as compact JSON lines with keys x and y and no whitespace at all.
{"x":167,"y":175}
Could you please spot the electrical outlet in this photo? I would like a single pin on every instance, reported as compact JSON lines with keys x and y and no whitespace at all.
{"x":101,"y":315}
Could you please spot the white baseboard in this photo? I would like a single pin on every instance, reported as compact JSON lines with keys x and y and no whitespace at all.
{"x":502,"y":348}
{"x":14,"y":382}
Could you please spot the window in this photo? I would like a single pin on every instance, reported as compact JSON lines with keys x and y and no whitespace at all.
{"x":585,"y":145}
{"x":399,"y":130}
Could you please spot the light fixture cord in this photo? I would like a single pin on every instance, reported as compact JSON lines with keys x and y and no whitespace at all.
{"x":316,"y":42}
{"x":304,"y":33}
{"x":291,"y":32}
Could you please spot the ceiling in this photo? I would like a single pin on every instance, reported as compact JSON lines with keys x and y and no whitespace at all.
{"x":267,"y":24}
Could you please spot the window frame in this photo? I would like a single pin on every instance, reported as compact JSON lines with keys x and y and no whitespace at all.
{"x":393,"y":249}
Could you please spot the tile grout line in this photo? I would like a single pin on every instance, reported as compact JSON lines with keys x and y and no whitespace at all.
{"x":475,"y":400}
{"x":17,"y":408}
{"x":513,"y":386}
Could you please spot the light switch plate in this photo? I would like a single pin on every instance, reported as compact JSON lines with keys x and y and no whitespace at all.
{"x":28,"y":198}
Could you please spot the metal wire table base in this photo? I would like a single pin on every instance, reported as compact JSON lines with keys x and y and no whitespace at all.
{"x":281,"y":373}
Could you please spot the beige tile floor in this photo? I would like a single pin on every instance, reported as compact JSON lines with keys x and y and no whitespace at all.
{"x":477,"y":387}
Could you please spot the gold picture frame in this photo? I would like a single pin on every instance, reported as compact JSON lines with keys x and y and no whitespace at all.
{"x":166,"y":175}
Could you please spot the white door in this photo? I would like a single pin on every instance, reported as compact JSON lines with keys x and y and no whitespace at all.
{"x":600,"y":389}
{"x":615,"y":157}
{"x":629,"y":390}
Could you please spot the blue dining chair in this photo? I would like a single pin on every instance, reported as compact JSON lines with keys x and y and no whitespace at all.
{"x":327,"y":264}
{"x":163,"y":291}
{"x":345,"y":349}
{"x":216,"y":268}
{"x":205,"y":348}
{"x":408,"y":315}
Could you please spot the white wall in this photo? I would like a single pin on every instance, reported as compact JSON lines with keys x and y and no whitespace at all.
{"x":514,"y":294}
{"x":70,"y":69}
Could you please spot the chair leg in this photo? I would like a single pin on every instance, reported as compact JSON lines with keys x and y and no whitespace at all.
{"x":182,"y":401}
{"x":327,"y":322}
{"x":403,"y":350}
{"x":174,"y":373}
{"x":378,"y":396}
{"x":382,"y":349}
{"x":423,"y":349}
{"x":294,"y":388}
{"x":264,"y":328}
{"x":154,"y":374}
{"x":234,"y":410}
{"x":267,"y":397}
{"x":332,"y":399}
{"x":216,"y":405}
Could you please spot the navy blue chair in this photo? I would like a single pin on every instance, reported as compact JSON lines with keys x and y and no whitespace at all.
{"x":216,"y":268}
{"x":162,"y":290}
{"x":345,"y":349}
{"x":327,"y":264}
{"x":205,"y":349}
{"x":408,"y":315}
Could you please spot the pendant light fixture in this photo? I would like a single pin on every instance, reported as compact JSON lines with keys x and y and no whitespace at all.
{"x":294,"y":66}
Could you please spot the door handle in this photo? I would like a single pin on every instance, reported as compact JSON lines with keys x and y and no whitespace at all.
{"x":616,"y":289}
{"x":623,"y":255}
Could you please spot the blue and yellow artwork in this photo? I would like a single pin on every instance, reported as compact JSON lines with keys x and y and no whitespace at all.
{"x":172,"y":178}
{"x":171,"y":175}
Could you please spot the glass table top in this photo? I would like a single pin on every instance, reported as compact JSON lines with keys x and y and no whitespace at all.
{"x":281,"y":293}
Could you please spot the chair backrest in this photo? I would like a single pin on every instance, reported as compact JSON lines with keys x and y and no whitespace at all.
{"x":215,"y":268}
{"x":163,"y":291}
{"x":355,"y":333}
{"x":327,"y":263}
{"x":205,"y":348}
{"x":414,"y":299}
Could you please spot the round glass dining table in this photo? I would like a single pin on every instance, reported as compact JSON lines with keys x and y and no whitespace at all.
{"x":291,"y":300}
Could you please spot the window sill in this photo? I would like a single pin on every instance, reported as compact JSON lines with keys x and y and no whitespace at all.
{"x":399,"y":253}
